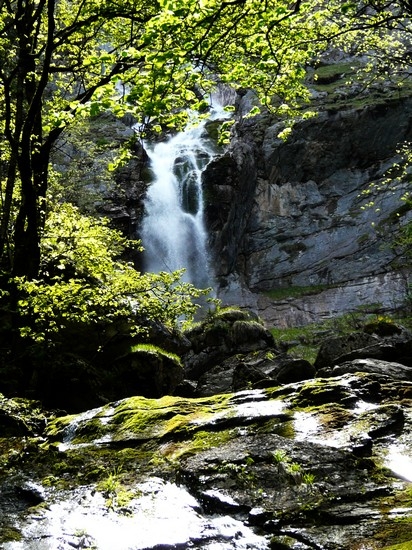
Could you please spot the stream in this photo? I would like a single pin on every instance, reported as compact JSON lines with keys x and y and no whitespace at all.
{"x":256,"y":469}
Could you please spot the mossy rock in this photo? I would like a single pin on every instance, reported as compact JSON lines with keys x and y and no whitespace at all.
{"x":140,"y":419}
{"x":21,"y":417}
{"x":332,"y":349}
{"x":383,"y":327}
{"x":320,"y":392}
{"x":233,"y":314}
{"x":10,"y":534}
{"x":401,"y":546}
{"x":246,"y":331}
{"x":232,"y":328}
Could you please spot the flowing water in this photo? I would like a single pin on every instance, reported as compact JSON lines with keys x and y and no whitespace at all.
{"x":173,"y":231}
{"x":161,"y":515}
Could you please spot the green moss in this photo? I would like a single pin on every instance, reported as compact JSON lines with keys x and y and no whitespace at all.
{"x":283,"y":293}
{"x":285,"y":429}
{"x":89,"y":465}
{"x":372,"y":98}
{"x":148,"y":418}
{"x":326,"y":74}
{"x":396,"y":534}
{"x":331,"y":415}
{"x":201,"y":441}
{"x":275,"y":426}
{"x":179,"y":421}
{"x":213,"y":130}
{"x":396,"y":529}
{"x":56,"y":426}
{"x":298,"y":340}
{"x":10,"y":534}
{"x":155,"y":350}
{"x":116,"y":493}
{"x":231,"y":314}
{"x":142,"y":420}
{"x":321,"y":391}
{"x":49,"y":481}
{"x":282,"y":543}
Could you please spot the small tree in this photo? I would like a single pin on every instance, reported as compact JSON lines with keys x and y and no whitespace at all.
{"x":82,"y":282}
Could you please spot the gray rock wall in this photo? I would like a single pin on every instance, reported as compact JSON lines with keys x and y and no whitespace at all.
{"x":294,"y":210}
{"x":383,"y":292}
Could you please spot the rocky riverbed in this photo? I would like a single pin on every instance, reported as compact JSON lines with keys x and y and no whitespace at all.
{"x":322,"y":462}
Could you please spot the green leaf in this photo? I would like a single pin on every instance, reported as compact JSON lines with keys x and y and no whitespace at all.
{"x":94,"y":109}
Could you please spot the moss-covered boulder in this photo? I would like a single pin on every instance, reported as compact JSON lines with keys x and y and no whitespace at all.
{"x":223,"y":334}
{"x":294,"y":466}
{"x":21,"y":417}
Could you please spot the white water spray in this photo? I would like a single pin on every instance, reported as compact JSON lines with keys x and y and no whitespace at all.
{"x":173,"y":231}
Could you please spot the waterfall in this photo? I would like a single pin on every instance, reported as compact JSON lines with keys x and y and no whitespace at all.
{"x":173,"y":231}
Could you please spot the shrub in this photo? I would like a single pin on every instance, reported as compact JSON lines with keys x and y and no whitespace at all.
{"x":83,"y":281}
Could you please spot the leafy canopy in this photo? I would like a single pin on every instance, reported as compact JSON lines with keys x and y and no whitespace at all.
{"x":61,"y":59}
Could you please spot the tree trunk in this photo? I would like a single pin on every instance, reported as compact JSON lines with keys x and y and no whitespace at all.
{"x":33,"y":157}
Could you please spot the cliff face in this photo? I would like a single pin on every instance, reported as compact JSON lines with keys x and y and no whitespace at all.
{"x":290,"y":213}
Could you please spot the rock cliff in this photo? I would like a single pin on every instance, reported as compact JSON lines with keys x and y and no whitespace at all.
{"x":292,"y":213}
{"x":285,"y":214}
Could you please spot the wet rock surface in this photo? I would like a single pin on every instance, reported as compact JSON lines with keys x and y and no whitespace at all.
{"x":257,"y":449}
{"x":322,"y":463}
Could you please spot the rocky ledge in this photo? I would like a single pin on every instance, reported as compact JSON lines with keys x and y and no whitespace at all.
{"x":323,"y":461}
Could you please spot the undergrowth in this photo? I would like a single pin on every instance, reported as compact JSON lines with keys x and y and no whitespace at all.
{"x":304,"y":342}
{"x":283,"y":293}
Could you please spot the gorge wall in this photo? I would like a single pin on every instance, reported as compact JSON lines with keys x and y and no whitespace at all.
{"x":290,"y":213}
{"x":285,"y":214}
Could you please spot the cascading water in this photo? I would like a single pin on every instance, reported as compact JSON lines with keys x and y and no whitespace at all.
{"x":173,"y":230}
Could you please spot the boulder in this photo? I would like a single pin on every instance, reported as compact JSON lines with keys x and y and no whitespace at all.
{"x":146,"y":370}
{"x":262,"y":369}
{"x":395,"y":371}
{"x":382,"y":341}
{"x":222,"y":335}
{"x":21,"y":417}
{"x":285,"y":369}
{"x":333,"y":348}
{"x":249,"y":335}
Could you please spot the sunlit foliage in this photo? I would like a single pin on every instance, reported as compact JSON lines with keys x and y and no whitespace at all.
{"x":83,"y":281}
